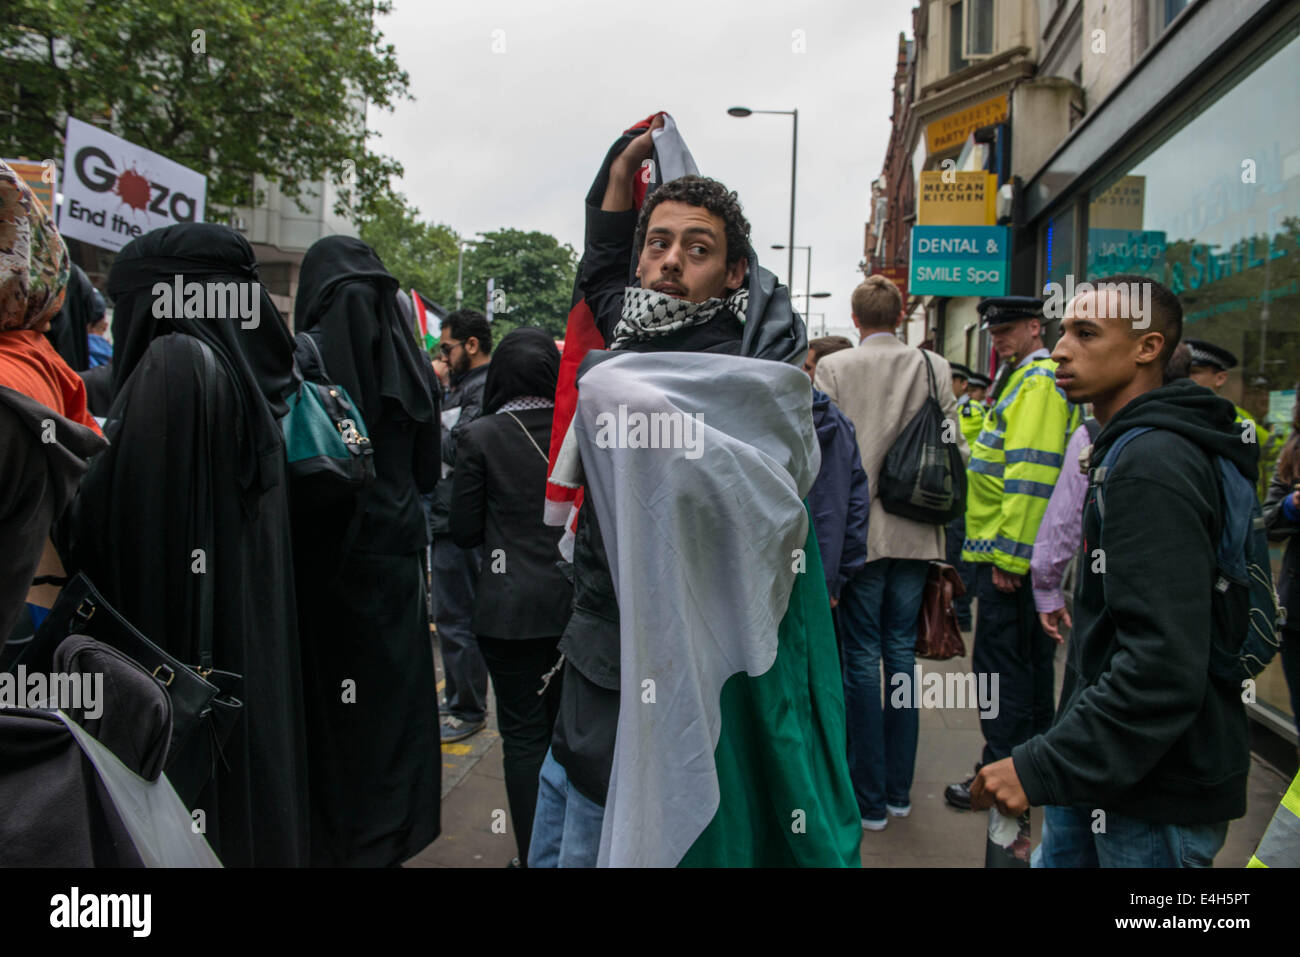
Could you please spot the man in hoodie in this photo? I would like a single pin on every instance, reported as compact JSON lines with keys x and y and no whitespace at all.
{"x":680,"y":275}
{"x":1147,"y":760}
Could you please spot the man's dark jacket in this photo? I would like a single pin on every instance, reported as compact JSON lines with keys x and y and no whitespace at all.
{"x":839,"y":499}
{"x":1143,"y":730}
{"x":585,"y":728}
{"x":466,"y":394}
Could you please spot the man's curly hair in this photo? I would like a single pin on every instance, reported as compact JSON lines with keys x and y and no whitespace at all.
{"x":709,"y":194}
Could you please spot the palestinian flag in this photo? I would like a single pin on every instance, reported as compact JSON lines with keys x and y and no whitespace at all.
{"x":671,"y":160}
{"x":426,"y":312}
{"x":731,"y":745}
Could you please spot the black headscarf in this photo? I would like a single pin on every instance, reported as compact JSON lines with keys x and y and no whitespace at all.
{"x":344,"y":289}
{"x":259,"y":360}
{"x":525,"y":362}
{"x":67,"y":330}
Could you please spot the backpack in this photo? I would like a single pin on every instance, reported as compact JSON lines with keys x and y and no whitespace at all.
{"x":923,"y":477}
{"x":330,"y":458}
{"x":1244,"y":585}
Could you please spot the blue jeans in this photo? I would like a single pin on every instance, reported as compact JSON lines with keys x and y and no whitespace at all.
{"x":566,"y":826}
{"x":1069,"y":841}
{"x":878,"y":611}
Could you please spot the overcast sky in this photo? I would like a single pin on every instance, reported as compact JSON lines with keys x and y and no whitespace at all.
{"x":514,"y":138}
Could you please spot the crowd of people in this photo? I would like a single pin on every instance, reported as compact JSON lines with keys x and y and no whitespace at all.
{"x":693,"y":665}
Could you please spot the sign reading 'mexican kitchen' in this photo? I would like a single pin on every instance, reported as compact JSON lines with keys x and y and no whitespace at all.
{"x":960,"y":260}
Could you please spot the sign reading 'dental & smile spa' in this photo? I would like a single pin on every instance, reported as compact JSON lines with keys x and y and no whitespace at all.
{"x":114,"y":191}
{"x":960,"y":260}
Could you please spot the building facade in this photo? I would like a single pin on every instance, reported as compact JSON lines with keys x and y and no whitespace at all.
{"x":1126,"y":136}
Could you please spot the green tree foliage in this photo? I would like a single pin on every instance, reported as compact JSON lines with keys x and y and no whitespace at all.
{"x":533,"y":271}
{"x":421,"y":255}
{"x":230,"y":88}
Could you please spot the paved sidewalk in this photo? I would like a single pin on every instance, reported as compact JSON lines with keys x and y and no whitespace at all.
{"x":935,"y":835}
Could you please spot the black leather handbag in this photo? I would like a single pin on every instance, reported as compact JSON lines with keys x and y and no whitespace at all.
{"x":204,"y":703}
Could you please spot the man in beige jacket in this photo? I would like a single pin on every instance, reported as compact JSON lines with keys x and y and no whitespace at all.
{"x":880,"y":386}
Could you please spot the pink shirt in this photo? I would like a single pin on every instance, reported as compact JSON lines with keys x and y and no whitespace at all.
{"x":1058,"y":535}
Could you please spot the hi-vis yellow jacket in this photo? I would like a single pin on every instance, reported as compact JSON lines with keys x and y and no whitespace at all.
{"x":1270,"y":446}
{"x":1014,"y":465}
{"x":971,"y":419}
{"x":1280,"y":845}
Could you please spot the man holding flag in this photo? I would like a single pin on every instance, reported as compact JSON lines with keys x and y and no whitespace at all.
{"x":694,"y":565}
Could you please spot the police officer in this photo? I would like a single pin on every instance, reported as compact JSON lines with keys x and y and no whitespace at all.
{"x":1209,"y":367}
{"x":955,"y":532}
{"x":1014,"y":465}
{"x":971,"y":406}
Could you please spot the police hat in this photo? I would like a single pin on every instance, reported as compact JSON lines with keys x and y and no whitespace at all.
{"x":1208,"y":354}
{"x":959,"y":371}
{"x":977,"y":381}
{"x":999,"y":309}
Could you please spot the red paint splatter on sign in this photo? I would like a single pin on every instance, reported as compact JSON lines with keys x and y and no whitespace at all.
{"x":133,"y":188}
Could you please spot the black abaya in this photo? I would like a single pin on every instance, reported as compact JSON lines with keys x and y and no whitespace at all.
{"x":373,"y":734}
{"x":68,"y":328}
{"x":139,"y":520}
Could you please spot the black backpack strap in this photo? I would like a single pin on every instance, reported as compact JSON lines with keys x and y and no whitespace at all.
{"x":1093,"y":427}
{"x":1097,"y":475}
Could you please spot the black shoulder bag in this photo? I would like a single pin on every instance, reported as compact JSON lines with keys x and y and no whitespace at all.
{"x":923,"y":477}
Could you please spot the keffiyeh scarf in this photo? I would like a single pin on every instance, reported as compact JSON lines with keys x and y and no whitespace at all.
{"x":525,"y":402}
{"x":647,"y":313}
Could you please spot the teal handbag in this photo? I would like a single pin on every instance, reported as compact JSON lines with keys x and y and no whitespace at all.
{"x":331,"y":460}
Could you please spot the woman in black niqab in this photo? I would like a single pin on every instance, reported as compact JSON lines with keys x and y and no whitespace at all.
{"x":68,"y":330}
{"x":375,"y":756}
{"x":194,"y":484}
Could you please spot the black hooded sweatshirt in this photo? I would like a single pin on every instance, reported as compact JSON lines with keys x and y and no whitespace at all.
{"x":1143,"y":730}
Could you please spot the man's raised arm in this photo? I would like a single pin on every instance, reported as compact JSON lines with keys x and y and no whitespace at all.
{"x":607,"y":259}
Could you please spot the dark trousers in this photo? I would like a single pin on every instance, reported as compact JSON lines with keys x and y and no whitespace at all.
{"x":455,"y":579}
{"x":1010,"y":644}
{"x":954,"y":536}
{"x":525,"y":719}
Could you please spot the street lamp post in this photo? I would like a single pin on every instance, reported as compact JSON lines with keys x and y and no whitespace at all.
{"x":807,"y":279}
{"x":460,"y":265}
{"x":821,"y":295}
{"x":461,"y":245}
{"x":794,"y":159}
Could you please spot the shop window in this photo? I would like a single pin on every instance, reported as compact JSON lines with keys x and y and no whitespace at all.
{"x":1213,"y":212}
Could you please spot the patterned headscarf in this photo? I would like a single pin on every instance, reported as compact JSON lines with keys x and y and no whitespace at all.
{"x":33,"y":258}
